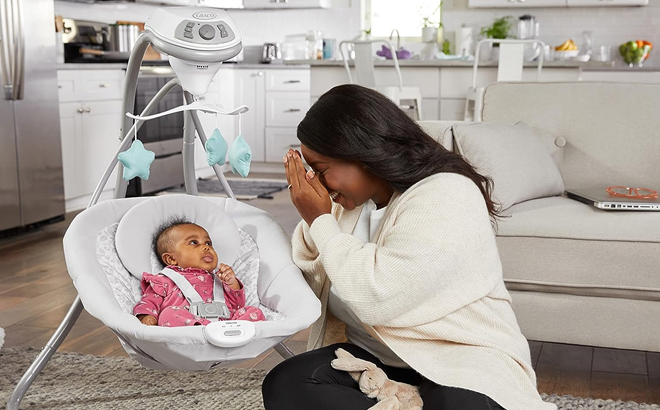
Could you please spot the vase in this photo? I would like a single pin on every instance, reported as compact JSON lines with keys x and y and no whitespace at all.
{"x":429,"y":34}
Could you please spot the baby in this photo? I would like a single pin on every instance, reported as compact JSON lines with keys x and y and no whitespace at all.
{"x":186,"y":248}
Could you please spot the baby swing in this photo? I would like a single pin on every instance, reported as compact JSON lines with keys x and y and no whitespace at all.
{"x":197,"y":41}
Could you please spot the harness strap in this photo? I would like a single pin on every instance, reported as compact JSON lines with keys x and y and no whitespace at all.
{"x":210,"y":311}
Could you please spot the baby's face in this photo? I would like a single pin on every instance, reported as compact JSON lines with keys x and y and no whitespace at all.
{"x":193,"y":248}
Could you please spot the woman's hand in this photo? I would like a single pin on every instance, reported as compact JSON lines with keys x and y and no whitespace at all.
{"x":308,"y":195}
{"x":228,"y":277}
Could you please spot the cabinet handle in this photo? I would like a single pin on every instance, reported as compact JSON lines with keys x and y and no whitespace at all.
{"x":293,"y":110}
{"x":292,"y":82}
{"x":259,"y":74}
{"x":87,"y":109}
{"x":294,"y":146}
{"x":80,"y":110}
{"x":104,"y":85}
{"x":59,"y":86}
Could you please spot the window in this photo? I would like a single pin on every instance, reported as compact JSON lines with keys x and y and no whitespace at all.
{"x":406,"y":16}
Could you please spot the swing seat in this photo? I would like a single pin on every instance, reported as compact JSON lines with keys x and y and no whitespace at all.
{"x":288,"y":303}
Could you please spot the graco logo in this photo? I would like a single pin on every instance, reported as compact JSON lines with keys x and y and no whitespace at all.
{"x":204,"y":15}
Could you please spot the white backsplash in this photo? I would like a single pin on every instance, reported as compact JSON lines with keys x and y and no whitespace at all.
{"x":610,"y":25}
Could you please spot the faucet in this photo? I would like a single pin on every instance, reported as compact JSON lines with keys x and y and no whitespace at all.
{"x":398,"y":39}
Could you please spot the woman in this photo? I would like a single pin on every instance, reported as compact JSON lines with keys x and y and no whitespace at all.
{"x":404,"y":263}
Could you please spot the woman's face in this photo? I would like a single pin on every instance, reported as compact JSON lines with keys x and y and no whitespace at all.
{"x":349,"y":180}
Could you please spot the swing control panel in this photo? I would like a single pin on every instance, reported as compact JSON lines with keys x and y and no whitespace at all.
{"x":229,"y":333}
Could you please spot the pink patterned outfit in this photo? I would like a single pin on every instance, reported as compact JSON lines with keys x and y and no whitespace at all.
{"x":164,"y":300}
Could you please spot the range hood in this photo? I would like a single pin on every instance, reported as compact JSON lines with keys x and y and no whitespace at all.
{"x":221,"y":4}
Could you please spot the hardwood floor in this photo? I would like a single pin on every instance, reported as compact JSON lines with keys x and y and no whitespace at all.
{"x":36,"y":292}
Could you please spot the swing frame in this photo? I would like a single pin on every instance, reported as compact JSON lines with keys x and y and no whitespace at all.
{"x":191,"y":124}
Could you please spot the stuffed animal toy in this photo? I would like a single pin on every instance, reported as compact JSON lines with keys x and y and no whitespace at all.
{"x":374,"y":383}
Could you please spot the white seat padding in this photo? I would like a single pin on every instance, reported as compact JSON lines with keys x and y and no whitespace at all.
{"x":280,"y":287}
{"x":599,"y":246}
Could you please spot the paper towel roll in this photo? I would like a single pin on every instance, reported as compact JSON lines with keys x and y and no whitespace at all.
{"x":463,"y":41}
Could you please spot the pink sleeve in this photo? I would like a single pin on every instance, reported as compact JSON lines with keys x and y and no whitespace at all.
{"x":235,"y":299}
{"x":151,"y":299}
{"x":149,"y":304}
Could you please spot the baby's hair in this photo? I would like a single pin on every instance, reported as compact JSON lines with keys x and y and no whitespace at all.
{"x":162,"y":241}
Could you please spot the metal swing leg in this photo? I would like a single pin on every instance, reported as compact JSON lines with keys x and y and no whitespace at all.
{"x":46,"y":353}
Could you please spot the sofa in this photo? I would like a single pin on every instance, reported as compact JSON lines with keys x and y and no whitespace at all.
{"x":578,"y":274}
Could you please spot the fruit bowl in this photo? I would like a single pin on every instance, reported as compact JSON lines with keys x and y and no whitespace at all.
{"x":566,"y":54}
{"x":635,"y":52}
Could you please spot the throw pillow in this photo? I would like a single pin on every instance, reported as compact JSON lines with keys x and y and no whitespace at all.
{"x":514,"y":156}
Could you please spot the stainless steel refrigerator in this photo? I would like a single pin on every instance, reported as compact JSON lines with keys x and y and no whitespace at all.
{"x":31,"y":183}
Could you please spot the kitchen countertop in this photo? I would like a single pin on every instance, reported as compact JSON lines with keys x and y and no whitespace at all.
{"x":122,"y":65}
{"x":590,"y":65}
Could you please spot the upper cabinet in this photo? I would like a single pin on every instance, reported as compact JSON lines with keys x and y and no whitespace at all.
{"x":287,"y":4}
{"x":554,"y":3}
{"x":606,"y":3}
{"x":517,"y":3}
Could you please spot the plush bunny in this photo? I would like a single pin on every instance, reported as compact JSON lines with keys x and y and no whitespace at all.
{"x":374,"y":383}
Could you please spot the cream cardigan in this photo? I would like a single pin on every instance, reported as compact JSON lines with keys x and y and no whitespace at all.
{"x":430,"y":288}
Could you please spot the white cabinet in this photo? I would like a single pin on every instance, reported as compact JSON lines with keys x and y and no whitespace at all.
{"x":606,"y":3}
{"x":287,"y":102}
{"x":286,"y":4}
{"x":278,"y":100}
{"x":251,"y":91}
{"x":90,"y":114}
{"x":516,"y":3}
{"x":221,"y":92}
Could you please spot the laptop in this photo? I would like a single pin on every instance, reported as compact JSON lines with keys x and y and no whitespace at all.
{"x":599,"y":198}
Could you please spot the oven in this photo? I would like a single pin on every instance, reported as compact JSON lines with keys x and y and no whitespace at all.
{"x":163,"y":136}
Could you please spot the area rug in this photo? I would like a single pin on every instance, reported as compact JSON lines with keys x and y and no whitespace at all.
{"x":246,"y":189}
{"x":76,"y":381}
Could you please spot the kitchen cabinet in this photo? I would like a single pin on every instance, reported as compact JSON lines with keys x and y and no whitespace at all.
{"x":287,"y":102}
{"x":278,"y":100}
{"x":90,"y":114}
{"x":221,"y":92}
{"x":251,"y":91}
{"x":516,"y":3}
{"x":286,"y":4}
{"x":606,"y":3}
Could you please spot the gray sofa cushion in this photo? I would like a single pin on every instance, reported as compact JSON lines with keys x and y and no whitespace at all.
{"x":514,"y":156}
{"x":561,"y":245}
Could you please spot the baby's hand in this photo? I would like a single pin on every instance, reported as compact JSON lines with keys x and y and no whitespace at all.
{"x":148,"y":320}
{"x":226,"y":275}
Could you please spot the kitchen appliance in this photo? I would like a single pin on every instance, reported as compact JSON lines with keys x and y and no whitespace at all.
{"x":270,"y":52}
{"x":31,"y":182}
{"x":88,"y":42}
{"x":528,"y":29}
{"x":121,"y":37}
{"x":163,"y":136}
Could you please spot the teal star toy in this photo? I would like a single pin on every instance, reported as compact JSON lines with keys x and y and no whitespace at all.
{"x":136,"y":161}
{"x":216,"y":149}
{"x":240,"y":157}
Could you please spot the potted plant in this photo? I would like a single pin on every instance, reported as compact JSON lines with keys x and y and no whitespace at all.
{"x":432,"y":31}
{"x":500,"y":29}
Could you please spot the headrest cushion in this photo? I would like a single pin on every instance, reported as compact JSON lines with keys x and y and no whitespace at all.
{"x":136,"y":230}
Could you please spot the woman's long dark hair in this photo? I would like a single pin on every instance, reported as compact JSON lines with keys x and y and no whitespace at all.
{"x":354,"y":123}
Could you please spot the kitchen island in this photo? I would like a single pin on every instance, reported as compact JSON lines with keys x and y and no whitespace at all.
{"x":444,"y":83}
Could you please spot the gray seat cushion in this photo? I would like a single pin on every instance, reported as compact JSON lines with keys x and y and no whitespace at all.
{"x":561,"y":245}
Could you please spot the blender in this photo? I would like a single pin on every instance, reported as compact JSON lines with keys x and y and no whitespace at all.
{"x":528,"y":29}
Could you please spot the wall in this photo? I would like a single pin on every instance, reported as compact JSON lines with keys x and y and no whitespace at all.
{"x":258,"y":26}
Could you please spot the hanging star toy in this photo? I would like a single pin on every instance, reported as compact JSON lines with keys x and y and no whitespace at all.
{"x":136,"y":161}
{"x":216,"y":149}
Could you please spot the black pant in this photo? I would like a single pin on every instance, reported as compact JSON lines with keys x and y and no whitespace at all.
{"x":307,"y":381}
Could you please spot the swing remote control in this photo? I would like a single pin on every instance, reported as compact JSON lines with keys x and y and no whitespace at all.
{"x":229,"y":333}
